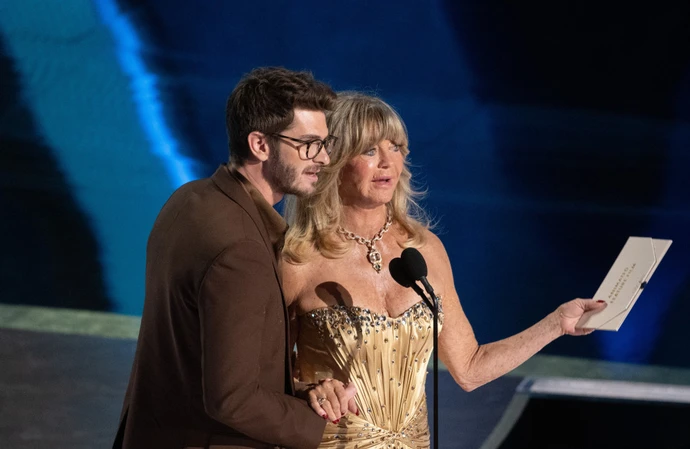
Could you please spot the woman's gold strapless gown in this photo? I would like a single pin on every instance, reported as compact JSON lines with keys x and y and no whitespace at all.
{"x":386,"y":358}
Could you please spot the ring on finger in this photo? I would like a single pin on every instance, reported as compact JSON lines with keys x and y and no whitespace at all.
{"x":321,"y":400}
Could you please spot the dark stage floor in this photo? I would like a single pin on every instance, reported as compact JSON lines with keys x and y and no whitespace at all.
{"x":65,"y":391}
{"x":64,"y":388}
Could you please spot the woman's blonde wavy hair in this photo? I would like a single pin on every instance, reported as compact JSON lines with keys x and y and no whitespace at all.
{"x":360,"y":121}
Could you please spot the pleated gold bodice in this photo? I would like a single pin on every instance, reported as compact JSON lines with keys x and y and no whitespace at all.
{"x":386,"y":358}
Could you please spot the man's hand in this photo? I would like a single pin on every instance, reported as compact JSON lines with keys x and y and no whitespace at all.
{"x":569,"y":313}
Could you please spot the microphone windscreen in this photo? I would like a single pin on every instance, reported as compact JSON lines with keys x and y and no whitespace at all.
{"x":414,"y":263}
{"x":399,"y":273}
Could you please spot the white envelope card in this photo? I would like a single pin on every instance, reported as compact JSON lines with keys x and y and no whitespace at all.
{"x":625,"y":281}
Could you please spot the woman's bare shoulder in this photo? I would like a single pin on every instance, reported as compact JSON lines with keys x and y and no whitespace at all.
{"x":432,"y":244}
{"x":290,"y":269}
{"x":296,"y":273}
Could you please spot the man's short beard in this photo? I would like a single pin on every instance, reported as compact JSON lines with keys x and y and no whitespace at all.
{"x":282,"y":176}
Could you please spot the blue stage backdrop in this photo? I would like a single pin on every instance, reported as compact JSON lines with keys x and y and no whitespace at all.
{"x":545,"y":134}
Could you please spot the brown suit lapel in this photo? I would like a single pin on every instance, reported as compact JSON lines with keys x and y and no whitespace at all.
{"x":234,"y":190}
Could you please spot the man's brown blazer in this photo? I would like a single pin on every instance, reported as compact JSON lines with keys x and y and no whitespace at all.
{"x":212,"y":363}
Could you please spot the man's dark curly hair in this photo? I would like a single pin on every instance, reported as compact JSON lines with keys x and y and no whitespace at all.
{"x":264,"y":101}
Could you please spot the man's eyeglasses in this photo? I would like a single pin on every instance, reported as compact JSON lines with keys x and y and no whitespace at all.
{"x":312,"y":147}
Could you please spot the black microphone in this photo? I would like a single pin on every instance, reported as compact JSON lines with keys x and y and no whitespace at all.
{"x":400,"y":274}
{"x":415,"y":267}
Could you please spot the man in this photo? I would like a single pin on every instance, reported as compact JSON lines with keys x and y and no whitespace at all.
{"x":212,"y":367}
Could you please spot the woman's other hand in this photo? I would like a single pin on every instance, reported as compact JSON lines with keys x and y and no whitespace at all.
{"x":332,"y":399}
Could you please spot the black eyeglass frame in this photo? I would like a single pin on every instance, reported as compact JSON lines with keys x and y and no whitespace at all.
{"x":327,"y":143}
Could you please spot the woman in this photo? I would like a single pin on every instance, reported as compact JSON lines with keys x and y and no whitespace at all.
{"x":352,"y":321}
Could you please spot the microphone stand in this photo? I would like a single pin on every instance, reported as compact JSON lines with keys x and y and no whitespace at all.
{"x":433,"y":304}
{"x":401,"y":273}
{"x":435,"y":309}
